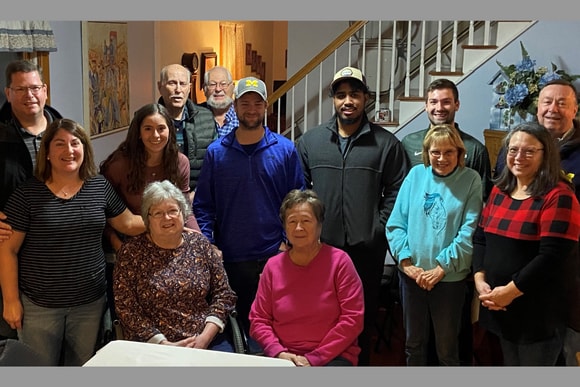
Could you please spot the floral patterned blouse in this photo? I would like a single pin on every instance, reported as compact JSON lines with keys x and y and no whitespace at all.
{"x":171,"y":292}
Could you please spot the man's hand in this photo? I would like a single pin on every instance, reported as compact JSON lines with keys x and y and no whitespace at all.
{"x":5,"y":228}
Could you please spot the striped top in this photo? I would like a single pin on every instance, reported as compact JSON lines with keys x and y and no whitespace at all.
{"x":61,"y":261}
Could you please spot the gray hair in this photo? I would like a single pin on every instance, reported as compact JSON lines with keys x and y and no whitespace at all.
{"x":163,"y":74}
{"x":216,"y":68}
{"x":160,"y":191}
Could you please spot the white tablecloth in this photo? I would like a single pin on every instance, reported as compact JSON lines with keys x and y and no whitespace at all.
{"x":121,"y":353}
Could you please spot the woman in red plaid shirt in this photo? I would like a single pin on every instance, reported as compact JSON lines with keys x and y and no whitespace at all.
{"x":526,"y":238}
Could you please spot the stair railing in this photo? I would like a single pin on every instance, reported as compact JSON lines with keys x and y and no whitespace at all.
{"x":425,"y":48}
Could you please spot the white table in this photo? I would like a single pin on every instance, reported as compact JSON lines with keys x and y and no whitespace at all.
{"x":122,"y":353}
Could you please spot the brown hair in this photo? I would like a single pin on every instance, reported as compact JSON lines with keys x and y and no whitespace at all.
{"x":88,"y":167}
{"x":134,"y":150}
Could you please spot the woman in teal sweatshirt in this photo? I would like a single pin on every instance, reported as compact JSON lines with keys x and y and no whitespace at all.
{"x":430,"y":235}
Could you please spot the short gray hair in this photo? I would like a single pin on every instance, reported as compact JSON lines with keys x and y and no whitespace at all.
{"x":159,"y":191}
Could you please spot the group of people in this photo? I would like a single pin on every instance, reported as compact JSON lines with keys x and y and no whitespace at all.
{"x":209,"y":211}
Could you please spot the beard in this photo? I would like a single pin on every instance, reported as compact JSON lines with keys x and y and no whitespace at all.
{"x":255,"y":123}
{"x":350,"y":120}
{"x":211,"y":102}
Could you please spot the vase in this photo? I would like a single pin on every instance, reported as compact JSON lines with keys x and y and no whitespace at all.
{"x":511,"y":121}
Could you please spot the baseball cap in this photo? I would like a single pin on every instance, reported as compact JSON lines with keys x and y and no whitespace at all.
{"x":245,"y":85}
{"x":348,"y":72}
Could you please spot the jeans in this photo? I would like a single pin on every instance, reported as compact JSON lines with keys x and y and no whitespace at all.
{"x":571,"y":346}
{"x":442,"y":306}
{"x":541,"y":353}
{"x":70,"y":332}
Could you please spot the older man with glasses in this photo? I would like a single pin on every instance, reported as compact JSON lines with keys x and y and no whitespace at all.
{"x":218,"y":87}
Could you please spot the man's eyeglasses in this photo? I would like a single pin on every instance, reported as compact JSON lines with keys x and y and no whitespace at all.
{"x":174,"y":213}
{"x":222,"y":85}
{"x":528,"y":153}
{"x":21,"y":90}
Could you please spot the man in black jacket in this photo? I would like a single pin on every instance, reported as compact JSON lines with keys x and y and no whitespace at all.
{"x":23,"y":119}
{"x":356,"y":168}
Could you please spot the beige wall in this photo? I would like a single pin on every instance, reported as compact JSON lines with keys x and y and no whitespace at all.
{"x":268,"y":38}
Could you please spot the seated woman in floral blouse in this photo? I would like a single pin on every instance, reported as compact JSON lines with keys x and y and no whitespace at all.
{"x":169,"y":285}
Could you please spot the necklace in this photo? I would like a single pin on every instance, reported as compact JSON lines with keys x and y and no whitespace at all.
{"x":66,"y":190}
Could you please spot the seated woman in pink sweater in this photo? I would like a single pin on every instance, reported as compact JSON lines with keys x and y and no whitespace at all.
{"x":309,"y":307}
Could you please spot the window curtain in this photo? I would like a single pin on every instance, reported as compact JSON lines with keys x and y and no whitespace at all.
{"x":232,"y":48}
{"x":26,"y":36}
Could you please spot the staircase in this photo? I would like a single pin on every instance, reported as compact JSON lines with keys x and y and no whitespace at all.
{"x":399,"y":60}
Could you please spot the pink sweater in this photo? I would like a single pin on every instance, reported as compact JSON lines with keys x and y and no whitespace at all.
{"x":315,"y":310}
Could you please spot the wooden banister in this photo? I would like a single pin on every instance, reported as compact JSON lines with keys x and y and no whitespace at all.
{"x":308,"y":67}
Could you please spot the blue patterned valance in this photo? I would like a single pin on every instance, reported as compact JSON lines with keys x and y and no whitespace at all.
{"x":26,"y":36}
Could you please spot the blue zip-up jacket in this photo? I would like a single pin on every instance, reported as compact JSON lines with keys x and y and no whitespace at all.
{"x":238,"y":196}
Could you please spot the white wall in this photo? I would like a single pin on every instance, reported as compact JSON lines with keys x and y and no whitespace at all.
{"x":546,"y":42}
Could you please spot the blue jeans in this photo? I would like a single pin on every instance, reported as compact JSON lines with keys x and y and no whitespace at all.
{"x":571,"y":346}
{"x":442,"y":306}
{"x":541,"y":353}
{"x":71,"y":332}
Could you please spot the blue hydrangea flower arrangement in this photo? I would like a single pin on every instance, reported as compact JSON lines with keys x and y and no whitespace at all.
{"x":522,"y":88}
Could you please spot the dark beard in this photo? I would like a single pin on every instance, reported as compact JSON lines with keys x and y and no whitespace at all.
{"x":251,"y":125}
{"x":349,"y":121}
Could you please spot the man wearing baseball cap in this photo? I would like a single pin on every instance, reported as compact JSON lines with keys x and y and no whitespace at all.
{"x":356,"y":168}
{"x":243,"y":180}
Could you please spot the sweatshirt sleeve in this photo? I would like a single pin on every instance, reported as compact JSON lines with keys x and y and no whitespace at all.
{"x":398,"y":223}
{"x":351,"y":320}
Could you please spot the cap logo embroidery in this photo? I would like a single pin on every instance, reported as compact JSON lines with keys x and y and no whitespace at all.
{"x":346,"y":72}
{"x":250,"y":83}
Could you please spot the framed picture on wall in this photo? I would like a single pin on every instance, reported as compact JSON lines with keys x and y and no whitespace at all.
{"x":254,"y":60}
{"x":208,"y":61}
{"x":248,"y":54}
{"x":106,"y":77}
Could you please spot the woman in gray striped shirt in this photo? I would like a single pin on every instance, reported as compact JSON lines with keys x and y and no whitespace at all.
{"x":53,"y":266}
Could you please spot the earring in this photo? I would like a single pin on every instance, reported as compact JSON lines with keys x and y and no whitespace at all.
{"x":48,"y":158}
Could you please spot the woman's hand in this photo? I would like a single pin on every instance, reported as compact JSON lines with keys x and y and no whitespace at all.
{"x":500,"y":297}
{"x":187,"y":342}
{"x":5,"y":229}
{"x":411,"y":270}
{"x":481,"y":286}
{"x":299,"y":361}
{"x":13,"y":313}
{"x":429,"y":278}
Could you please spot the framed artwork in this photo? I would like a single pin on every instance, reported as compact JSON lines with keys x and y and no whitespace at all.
{"x":208,"y":61}
{"x":254,"y":60}
{"x":248,"y":53}
{"x":105,"y":77}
